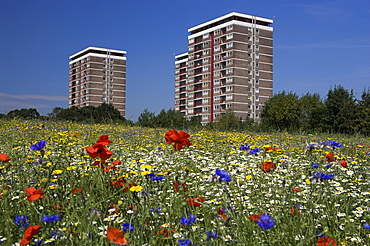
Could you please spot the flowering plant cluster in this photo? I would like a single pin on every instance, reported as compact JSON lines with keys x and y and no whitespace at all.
{"x":117,"y":185}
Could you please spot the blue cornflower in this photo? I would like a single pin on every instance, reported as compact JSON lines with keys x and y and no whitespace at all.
{"x":254,"y":151}
{"x":211,"y":235}
{"x":327,"y":176}
{"x":156,"y":210}
{"x":328,"y":166}
{"x":50,"y":219}
{"x":184,"y":242}
{"x":335,"y":144}
{"x":221,"y":172}
{"x":316,"y":165}
{"x":157,"y":177}
{"x":39,"y":146}
{"x":38,"y":243}
{"x":265,"y":222}
{"x":128,"y":226}
{"x":188,"y":221}
{"x":367,"y":226}
{"x":226,"y":178}
{"x":22,"y":221}
{"x":224,"y":175}
{"x":56,"y":234}
{"x":244,"y":147}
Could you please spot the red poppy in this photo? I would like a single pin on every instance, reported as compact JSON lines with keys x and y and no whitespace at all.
{"x":329,"y":157}
{"x":177,"y":184}
{"x":34,"y":194}
{"x":98,"y":150}
{"x":194,"y":202}
{"x":29,"y":233}
{"x":122,"y":182}
{"x":77,"y":190}
{"x":343,"y":163}
{"x":296,"y":189}
{"x":221,"y":213}
{"x":294,"y":212}
{"x":117,"y":162}
{"x":267,"y":149}
{"x":104,"y":140}
{"x":178,"y":139}
{"x":116,"y":235}
{"x":268,"y":166}
{"x":4,"y":158}
{"x":326,"y":241}
{"x":165,"y":232}
{"x":255,"y":217}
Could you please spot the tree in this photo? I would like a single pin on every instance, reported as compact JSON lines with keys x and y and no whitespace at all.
{"x":146,"y":118}
{"x":55,"y":112}
{"x":227,"y":121}
{"x":23,"y":113}
{"x":170,"y":119}
{"x":313,"y":113}
{"x":341,"y":107}
{"x":362,"y":114}
{"x":281,"y":112}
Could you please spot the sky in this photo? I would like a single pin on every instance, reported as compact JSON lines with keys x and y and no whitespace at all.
{"x":318,"y":44}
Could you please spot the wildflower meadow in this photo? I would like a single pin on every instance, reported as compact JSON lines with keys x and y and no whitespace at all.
{"x":105,"y":184}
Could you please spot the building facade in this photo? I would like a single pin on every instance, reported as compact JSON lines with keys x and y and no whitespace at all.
{"x":228,"y":65}
{"x":96,"y":76}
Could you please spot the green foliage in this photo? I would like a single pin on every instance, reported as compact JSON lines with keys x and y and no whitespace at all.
{"x":104,"y":113}
{"x":146,"y":118}
{"x":23,"y":113}
{"x":282,"y":112}
{"x":340,"y":105}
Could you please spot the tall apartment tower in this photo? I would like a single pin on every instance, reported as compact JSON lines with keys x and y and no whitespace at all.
{"x":96,"y":76}
{"x":228,"y":65}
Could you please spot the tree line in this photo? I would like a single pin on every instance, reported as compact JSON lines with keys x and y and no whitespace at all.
{"x":338,"y":112}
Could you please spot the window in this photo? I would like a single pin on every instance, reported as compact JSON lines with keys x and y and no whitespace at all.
{"x":217,"y":48}
{"x":205,"y":52}
{"x":229,"y":97}
{"x":229,"y":79}
{"x":229,"y":70}
{"x":229,"y":45}
{"x":217,"y":82}
{"x":216,"y":107}
{"x":229,"y":88}
{"x":217,"y":32}
{"x":191,"y":41}
{"x":205,"y":35}
{"x":217,"y":90}
{"x":229,"y":27}
{"x":229,"y":36}
{"x":205,"y":44}
{"x":205,"y":68}
{"x":205,"y":60}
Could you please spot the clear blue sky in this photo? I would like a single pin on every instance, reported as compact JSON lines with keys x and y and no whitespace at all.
{"x":317,"y":44}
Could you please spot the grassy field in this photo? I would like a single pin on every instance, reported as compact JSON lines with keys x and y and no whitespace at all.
{"x":215,"y":192}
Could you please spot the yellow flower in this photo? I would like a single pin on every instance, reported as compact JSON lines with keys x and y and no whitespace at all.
{"x":308,"y":181}
{"x":146,"y":166}
{"x":145,"y":173}
{"x":249,"y":177}
{"x":71,"y":168}
{"x":136,"y":188}
{"x":57,"y":171}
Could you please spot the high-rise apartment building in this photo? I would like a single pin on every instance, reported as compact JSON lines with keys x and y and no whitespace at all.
{"x":228,"y":65}
{"x":96,"y":76}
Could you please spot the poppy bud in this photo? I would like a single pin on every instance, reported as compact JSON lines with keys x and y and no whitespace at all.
{"x":7,"y":164}
{"x":5,"y":192}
